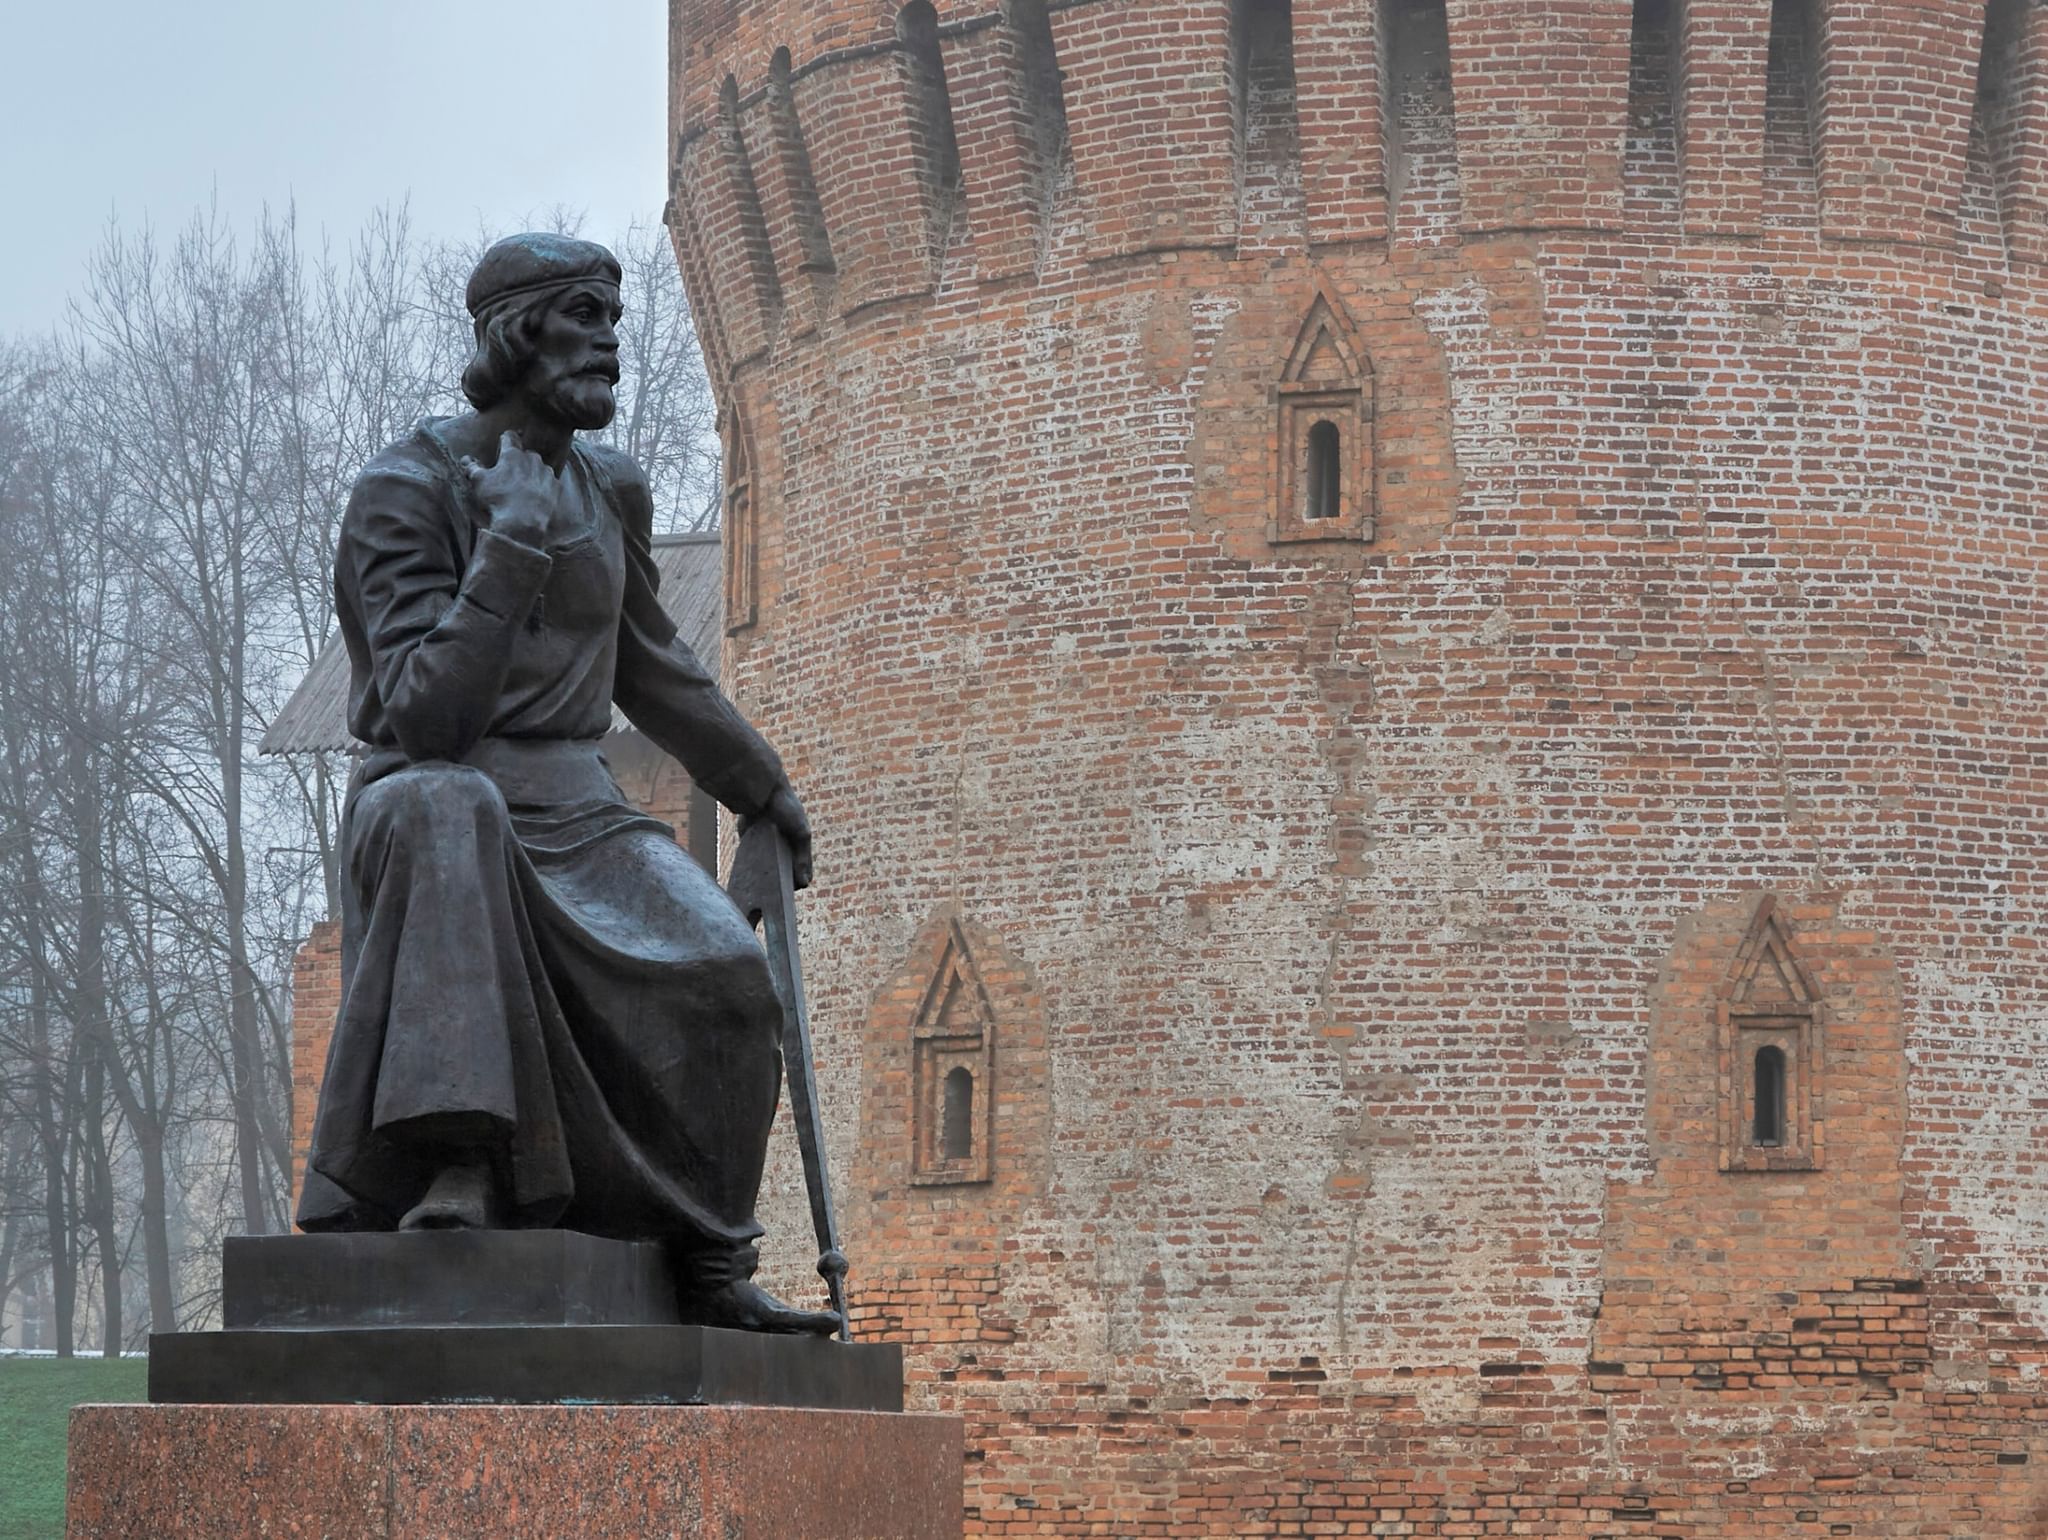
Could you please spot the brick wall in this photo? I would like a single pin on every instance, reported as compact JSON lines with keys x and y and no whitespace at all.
{"x":316,"y":1000}
{"x":1364,"y":922}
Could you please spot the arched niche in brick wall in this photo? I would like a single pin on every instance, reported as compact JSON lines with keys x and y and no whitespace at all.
{"x":1715,"y":1270}
{"x":1405,"y":473}
{"x":740,"y":531}
{"x":1771,"y":1060}
{"x":1323,"y":433}
{"x":956,"y":1095}
{"x":953,"y":1060}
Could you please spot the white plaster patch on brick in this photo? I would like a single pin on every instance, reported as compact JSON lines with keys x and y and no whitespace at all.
{"x":1171,"y":412}
{"x":1439,"y":1213}
{"x":1483,"y":420}
{"x":1736,"y":1442}
{"x":2000,"y":1145}
{"x":1442,"y":1399}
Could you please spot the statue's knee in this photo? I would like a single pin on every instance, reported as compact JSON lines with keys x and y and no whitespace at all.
{"x":425,"y":801}
{"x":744,"y":984}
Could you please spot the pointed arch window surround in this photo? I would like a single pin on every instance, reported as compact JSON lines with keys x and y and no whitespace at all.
{"x":1771,"y":1059}
{"x":953,"y":1069}
{"x":739,"y":532}
{"x":1323,"y":435}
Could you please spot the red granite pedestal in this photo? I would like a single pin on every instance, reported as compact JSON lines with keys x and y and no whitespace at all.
{"x":192,"y":1472}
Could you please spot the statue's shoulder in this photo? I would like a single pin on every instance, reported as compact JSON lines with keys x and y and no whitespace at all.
{"x":624,"y":485}
{"x":419,"y":455}
{"x":413,"y":474}
{"x":618,"y":470}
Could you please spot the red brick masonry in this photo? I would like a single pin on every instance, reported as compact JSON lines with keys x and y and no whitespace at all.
{"x":1366,"y":928}
{"x":1356,"y":942}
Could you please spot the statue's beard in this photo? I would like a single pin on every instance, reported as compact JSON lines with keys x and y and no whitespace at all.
{"x":581,"y":401}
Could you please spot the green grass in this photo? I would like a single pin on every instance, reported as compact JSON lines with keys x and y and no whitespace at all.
{"x":36,"y":1397}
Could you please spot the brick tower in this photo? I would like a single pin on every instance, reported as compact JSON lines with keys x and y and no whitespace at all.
{"x":1415,"y":629}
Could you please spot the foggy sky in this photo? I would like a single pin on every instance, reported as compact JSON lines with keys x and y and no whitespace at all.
{"x":480,"y":111}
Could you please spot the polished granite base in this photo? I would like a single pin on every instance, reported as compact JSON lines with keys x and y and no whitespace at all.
{"x":471,"y":1472}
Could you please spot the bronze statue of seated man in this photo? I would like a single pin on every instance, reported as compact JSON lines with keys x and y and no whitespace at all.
{"x":551,"y":1014}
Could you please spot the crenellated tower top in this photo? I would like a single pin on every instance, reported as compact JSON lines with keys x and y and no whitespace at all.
{"x":832,"y":157}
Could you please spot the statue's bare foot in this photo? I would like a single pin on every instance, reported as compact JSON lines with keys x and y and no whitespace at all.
{"x":745,"y":1306}
{"x":459,"y":1199}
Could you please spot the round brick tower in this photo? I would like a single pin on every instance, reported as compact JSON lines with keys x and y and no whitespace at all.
{"x":1415,"y":634}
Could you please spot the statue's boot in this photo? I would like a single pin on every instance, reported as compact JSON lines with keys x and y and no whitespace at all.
{"x":462,"y":1197}
{"x":744,"y":1305}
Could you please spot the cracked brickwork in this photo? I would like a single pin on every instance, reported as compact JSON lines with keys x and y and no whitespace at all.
{"x":1373,"y":1047}
{"x":1357,"y":918}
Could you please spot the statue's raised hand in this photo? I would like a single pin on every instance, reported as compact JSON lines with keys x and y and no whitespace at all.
{"x":521,"y":493}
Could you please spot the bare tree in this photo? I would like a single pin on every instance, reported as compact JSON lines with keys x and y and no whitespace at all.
{"x":173,"y":469}
{"x":45,"y":1062}
{"x":184,"y":342}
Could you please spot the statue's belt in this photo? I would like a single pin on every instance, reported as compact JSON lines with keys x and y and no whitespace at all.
{"x":534,"y":771}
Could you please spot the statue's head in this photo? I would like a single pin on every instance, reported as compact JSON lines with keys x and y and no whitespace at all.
{"x":544,"y":307}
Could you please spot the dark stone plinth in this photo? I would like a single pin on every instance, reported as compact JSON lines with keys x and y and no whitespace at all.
{"x":430,"y":1365}
{"x":517,"y":1316}
{"x":466,"y":1473}
{"x":445,"y":1278}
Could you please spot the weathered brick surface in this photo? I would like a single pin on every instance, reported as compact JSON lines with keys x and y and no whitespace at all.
{"x":1542,"y":92}
{"x":1002,"y":149}
{"x":1148,"y":92}
{"x":718,"y":203}
{"x":1357,"y":921}
{"x":1895,"y":85}
{"x":1340,"y":73}
{"x":316,"y":999}
{"x":865,"y":148}
{"x":1360,"y":920}
{"x":792,"y":222}
{"x":1723,"y":53}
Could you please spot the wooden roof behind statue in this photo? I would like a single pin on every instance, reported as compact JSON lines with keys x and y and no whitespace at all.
{"x":316,"y":716}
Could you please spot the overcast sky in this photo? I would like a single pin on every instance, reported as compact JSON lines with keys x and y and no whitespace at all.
{"x":477,"y":111}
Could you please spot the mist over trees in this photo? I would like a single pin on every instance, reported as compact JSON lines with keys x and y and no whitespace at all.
{"x":174,"y":461}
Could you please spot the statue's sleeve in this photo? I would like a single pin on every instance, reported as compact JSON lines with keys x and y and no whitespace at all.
{"x":438,"y":631}
{"x":667,"y":693}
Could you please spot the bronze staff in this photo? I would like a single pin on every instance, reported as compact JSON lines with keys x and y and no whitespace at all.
{"x":762,"y":885}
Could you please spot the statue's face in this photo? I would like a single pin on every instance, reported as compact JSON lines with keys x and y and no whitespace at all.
{"x":576,"y":357}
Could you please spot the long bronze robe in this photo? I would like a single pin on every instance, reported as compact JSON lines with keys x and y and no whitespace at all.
{"x":529,"y":963}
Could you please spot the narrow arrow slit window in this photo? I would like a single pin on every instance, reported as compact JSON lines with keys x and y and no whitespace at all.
{"x":1767,"y":1121}
{"x":956,"y":1138}
{"x":1325,"y":472}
